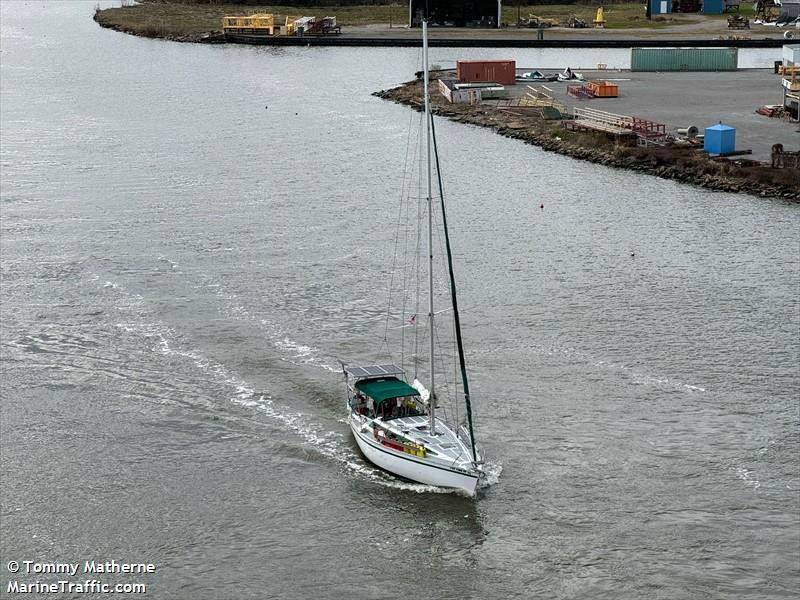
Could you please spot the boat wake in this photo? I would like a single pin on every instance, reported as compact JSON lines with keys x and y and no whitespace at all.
{"x":493,"y":471}
{"x":313,"y":435}
{"x":291,"y":351}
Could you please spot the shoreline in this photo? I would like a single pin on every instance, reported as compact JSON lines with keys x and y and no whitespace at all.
{"x":684,"y":165}
{"x":201,"y":23}
{"x":678,"y":164}
{"x":452,"y":42}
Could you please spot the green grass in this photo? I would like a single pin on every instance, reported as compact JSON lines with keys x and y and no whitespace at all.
{"x":617,"y":16}
{"x":176,"y":19}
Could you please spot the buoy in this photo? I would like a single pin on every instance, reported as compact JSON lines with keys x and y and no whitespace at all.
{"x":541,"y":206}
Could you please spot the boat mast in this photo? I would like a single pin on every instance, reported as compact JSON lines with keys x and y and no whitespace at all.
{"x":456,"y":318}
{"x":432,"y":398}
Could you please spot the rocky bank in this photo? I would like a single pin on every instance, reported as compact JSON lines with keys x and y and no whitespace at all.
{"x":679,"y":163}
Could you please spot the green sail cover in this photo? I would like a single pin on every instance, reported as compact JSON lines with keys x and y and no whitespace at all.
{"x":385,"y":389}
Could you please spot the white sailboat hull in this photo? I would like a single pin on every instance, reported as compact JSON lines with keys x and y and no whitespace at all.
{"x":411,"y":467}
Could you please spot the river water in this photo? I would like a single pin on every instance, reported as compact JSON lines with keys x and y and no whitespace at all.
{"x":193,"y":236}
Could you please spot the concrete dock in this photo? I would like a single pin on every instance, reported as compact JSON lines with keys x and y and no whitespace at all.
{"x":702,"y":99}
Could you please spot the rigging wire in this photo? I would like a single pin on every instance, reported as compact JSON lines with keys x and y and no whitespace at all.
{"x":403,"y":193}
{"x":461,"y":358}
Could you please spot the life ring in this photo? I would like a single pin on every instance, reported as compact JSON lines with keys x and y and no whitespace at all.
{"x":788,"y":35}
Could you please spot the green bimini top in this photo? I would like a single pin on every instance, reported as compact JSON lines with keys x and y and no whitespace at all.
{"x":385,"y":389}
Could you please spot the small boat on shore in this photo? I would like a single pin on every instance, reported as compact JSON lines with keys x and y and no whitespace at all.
{"x":535,"y":76}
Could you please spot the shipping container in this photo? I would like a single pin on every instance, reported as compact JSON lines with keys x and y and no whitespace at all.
{"x":660,"y":7}
{"x":720,"y":139}
{"x":487,"y":71}
{"x":684,"y":59}
{"x":713,"y":7}
{"x":603,"y":89}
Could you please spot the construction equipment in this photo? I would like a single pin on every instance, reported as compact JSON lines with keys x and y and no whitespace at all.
{"x":731,"y":6}
{"x":260,"y":24}
{"x":267,"y":24}
{"x":738,"y":22}
{"x":766,"y":11}
{"x":576,"y":23}
{"x":324,"y":26}
{"x":536,"y":22}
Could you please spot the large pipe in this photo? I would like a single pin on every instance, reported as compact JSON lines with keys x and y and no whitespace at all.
{"x":690,"y":132}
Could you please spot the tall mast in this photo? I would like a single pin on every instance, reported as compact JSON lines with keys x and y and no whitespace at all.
{"x":432,"y":399}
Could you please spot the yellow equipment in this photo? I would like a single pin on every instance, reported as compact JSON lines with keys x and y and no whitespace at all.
{"x":260,"y":24}
{"x":599,"y":19}
{"x":541,"y":22}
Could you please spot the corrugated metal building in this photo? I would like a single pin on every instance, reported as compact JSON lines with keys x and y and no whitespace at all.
{"x":455,"y":13}
{"x":684,"y":59}
{"x":713,"y":7}
{"x":662,"y":7}
{"x":790,"y":9}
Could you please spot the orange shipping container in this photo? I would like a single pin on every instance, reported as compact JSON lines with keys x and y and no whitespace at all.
{"x":603,"y":89}
{"x":487,"y":71}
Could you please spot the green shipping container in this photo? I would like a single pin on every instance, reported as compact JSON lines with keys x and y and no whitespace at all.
{"x":684,"y":59}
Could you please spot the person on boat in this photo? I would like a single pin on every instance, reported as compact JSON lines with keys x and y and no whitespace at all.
{"x":400,"y":408}
{"x":360,"y":403}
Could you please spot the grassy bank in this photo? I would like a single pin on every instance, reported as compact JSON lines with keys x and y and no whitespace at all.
{"x":161,"y":19}
{"x":180,"y":19}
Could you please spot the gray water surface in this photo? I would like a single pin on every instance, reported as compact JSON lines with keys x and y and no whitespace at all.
{"x":191,"y":239}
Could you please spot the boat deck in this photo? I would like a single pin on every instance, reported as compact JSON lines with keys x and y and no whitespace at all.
{"x":445,"y":444}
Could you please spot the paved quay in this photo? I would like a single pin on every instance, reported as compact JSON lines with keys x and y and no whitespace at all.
{"x":695,"y":30}
{"x":701,"y":99}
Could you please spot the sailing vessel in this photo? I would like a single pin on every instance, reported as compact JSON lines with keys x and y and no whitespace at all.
{"x":396,"y":424}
